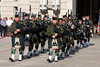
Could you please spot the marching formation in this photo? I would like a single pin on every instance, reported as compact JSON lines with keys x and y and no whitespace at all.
{"x":60,"y":33}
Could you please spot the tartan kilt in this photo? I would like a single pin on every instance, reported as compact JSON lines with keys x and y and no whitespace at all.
{"x":34,"y":38}
{"x":80,"y":36}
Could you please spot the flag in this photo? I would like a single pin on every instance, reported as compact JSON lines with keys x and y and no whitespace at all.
{"x":99,"y":23}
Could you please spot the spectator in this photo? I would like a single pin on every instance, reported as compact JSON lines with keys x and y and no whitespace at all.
{"x":9,"y":22}
{"x":4,"y":25}
{"x":1,"y":27}
{"x":0,"y":18}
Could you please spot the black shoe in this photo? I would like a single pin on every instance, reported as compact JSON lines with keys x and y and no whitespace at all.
{"x":77,"y":47}
{"x":42,"y":51}
{"x":22,"y":56}
{"x":31,"y":55}
{"x":49,"y":61}
{"x":34,"y":51}
{"x":36,"y":54}
{"x":48,"y":49}
{"x":67,"y":55}
{"x":11,"y":60}
{"x":19,"y":60}
{"x":63,"y":57}
{"x":58,"y":57}
{"x":84,"y":46}
{"x":73,"y":51}
{"x":56,"y":61}
{"x":28,"y":57}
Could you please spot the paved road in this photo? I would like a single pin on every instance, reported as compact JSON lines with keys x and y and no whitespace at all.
{"x":87,"y":57}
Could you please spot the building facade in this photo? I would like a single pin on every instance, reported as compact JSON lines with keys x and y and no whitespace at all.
{"x":8,"y":8}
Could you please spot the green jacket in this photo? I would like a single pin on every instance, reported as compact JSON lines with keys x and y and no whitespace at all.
{"x":91,"y":23}
{"x":52,"y":29}
{"x":81,"y":28}
{"x":67,"y":30}
{"x":29,"y":25}
{"x":15,"y":26}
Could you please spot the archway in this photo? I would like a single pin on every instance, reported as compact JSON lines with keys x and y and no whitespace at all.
{"x":88,"y":7}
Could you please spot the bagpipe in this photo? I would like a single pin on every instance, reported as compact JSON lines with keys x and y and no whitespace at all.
{"x":29,"y":27}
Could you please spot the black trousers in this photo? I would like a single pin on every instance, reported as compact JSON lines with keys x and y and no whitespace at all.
{"x":4,"y":31}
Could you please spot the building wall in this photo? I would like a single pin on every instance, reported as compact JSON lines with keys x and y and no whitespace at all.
{"x":7,"y":7}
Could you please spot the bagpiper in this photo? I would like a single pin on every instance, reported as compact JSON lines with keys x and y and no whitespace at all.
{"x":80,"y":34}
{"x":54,"y":32}
{"x":17,"y":29}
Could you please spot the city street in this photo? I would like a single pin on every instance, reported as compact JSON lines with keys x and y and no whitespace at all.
{"x":86,"y":57}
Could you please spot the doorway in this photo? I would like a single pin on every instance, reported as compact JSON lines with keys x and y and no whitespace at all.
{"x":88,"y":7}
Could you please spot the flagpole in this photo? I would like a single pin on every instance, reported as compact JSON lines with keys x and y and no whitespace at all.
{"x":99,"y":24}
